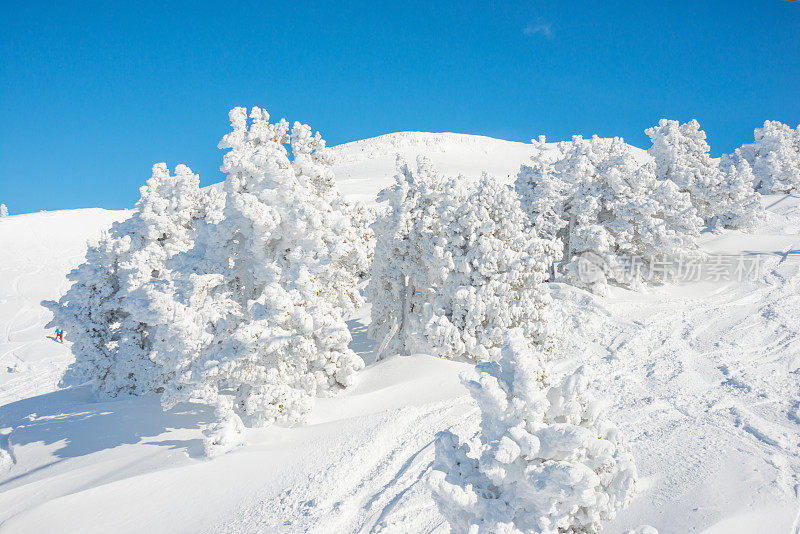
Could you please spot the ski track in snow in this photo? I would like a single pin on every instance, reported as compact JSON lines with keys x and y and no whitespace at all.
{"x":705,"y":363}
{"x":698,"y":379}
{"x":367,"y":485}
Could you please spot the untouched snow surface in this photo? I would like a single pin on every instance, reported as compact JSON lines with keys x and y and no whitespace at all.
{"x":701,"y":377}
{"x":365,"y":167}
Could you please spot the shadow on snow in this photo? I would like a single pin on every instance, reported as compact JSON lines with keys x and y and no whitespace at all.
{"x":81,"y":425}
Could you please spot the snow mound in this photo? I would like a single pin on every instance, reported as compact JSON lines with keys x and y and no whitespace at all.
{"x":429,"y":143}
{"x":365,"y":167}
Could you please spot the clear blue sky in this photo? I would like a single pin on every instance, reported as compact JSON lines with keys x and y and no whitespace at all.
{"x":93,"y":93}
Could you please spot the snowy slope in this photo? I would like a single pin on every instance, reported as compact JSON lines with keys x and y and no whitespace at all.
{"x":702,"y":378}
{"x":705,"y":376}
{"x":36,"y":252}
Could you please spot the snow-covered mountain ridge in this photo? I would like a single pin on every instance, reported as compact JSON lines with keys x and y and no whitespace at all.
{"x":365,"y":167}
{"x":424,"y":142}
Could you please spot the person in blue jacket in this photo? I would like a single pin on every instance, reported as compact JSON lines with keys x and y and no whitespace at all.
{"x":59,"y":335}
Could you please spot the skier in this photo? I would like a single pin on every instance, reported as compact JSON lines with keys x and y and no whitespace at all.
{"x":59,"y":335}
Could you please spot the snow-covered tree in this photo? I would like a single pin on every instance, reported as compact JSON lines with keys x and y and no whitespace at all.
{"x":744,"y":210}
{"x":312,"y":159}
{"x":399,"y":266}
{"x":256,"y":326}
{"x":774,"y":158}
{"x":454,"y":267}
{"x":3,"y":210}
{"x":682,"y":155}
{"x":613,"y":216}
{"x":103,"y":311}
{"x":545,"y":461}
{"x":363,"y":218}
{"x":90,"y":315}
{"x":542,"y":192}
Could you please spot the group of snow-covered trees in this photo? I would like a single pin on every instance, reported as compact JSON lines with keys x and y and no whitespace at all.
{"x":460,"y":271}
{"x":603,"y":207}
{"x":773,"y":159}
{"x":236,"y":295}
{"x":454,"y":267}
{"x":723,"y":196}
{"x":3,"y":210}
{"x":607,"y":208}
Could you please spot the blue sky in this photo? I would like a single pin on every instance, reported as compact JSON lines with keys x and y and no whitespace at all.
{"x":93,"y":93}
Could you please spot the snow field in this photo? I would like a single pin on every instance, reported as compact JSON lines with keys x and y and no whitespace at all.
{"x":701,"y":378}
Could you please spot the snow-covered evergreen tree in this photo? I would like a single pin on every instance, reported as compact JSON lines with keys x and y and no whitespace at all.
{"x":454,"y":267}
{"x":545,"y":461}
{"x":363,"y":218}
{"x":3,"y":210}
{"x":399,"y":266}
{"x":682,"y":155}
{"x":90,"y":315}
{"x":256,"y":324}
{"x":608,"y":211}
{"x":312,"y":159}
{"x":104,"y":311}
{"x":744,"y":210}
{"x":542,"y":192}
{"x":774,"y":158}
